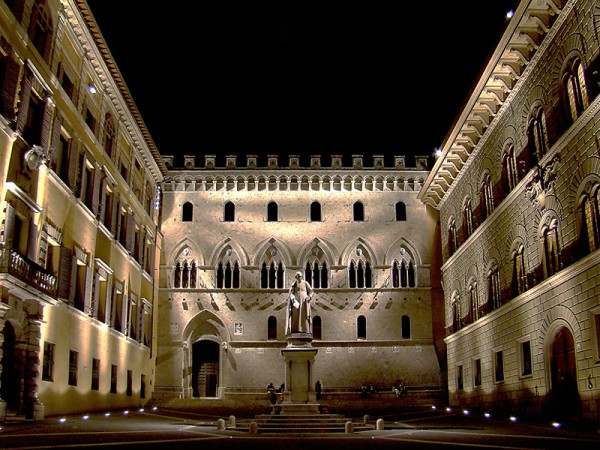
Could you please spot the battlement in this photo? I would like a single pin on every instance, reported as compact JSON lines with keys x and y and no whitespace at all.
{"x":315,"y":162}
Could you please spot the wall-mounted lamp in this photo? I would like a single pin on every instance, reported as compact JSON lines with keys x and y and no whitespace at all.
{"x":92,"y":89}
{"x":225,"y":346}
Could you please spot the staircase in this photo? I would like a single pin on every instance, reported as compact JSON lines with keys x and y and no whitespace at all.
{"x":299,"y":424}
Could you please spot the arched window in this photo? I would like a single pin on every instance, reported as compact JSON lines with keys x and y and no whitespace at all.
{"x":456,"y":319}
{"x":467,"y":219}
{"x":359,"y":271}
{"x":272,"y":212}
{"x":317,"y":328}
{"x":452,"y":242}
{"x":590,"y":217}
{"x":315,"y":212}
{"x":486,"y":199}
{"x":187,"y":212}
{"x":537,"y":137}
{"x":229,"y":212}
{"x":575,"y":90}
{"x":359,"y":212}
{"x":551,"y":249}
{"x":473,"y":301}
{"x":177,"y":275}
{"x":361,"y":327}
{"x":40,"y":28}
{"x":228,"y":270}
{"x":509,"y":169}
{"x":272,"y":328}
{"x":519,"y":277}
{"x":493,"y":283}
{"x":272,"y":272}
{"x":400,"y":211}
{"x":405,"y":322}
{"x":403,"y":273}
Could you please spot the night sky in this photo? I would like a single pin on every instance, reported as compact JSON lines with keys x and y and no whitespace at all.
{"x":300,"y":77}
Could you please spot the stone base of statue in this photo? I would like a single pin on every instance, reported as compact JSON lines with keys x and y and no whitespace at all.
{"x":300,"y":396}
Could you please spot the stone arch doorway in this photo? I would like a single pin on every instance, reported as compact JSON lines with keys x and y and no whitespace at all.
{"x":564,"y":395}
{"x":205,"y":368}
{"x":13,"y":364}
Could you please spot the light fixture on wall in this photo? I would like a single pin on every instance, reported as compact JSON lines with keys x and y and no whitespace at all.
{"x":91,"y":88}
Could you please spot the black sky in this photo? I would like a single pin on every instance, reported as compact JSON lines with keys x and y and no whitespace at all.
{"x":300,"y":77}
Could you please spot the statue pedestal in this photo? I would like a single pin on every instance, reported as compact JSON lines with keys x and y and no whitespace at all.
{"x":300,"y":396}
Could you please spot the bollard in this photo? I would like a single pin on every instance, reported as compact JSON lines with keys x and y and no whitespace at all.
{"x":221,"y":424}
{"x":232,"y":421}
{"x":366,"y":419}
{"x":253,"y":428}
{"x":349,"y":428}
{"x":379,"y":424}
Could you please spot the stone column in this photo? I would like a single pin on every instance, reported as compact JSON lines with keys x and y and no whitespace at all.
{"x":3,"y":310}
{"x":34,"y":409}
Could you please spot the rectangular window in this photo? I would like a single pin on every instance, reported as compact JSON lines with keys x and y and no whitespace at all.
{"x":526,"y":358}
{"x":143,"y":386}
{"x":498,"y":366}
{"x":113,"y":378}
{"x":95,"y":374}
{"x":73,"y":367}
{"x":90,"y":120}
{"x":129,"y":383}
{"x":48,"y":363}
{"x":459,"y":378}
{"x":596,"y":323}
{"x":477,"y":372}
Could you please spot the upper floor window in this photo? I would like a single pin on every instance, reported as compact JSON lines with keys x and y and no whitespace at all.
{"x":403,"y":273}
{"x":467,"y":219}
{"x":405,"y":322}
{"x":537,"y":136}
{"x":316,"y":273}
{"x":519,"y":280}
{"x":361,"y":327}
{"x":473,"y":301}
{"x":315,"y":212}
{"x":590,"y":215}
{"x":509,"y":169}
{"x":452,"y":241}
{"x":358,"y":212}
{"x":551,"y":249}
{"x":487,"y":196}
{"x":575,"y":90}
{"x":272,"y":212}
{"x":40,"y":28}
{"x":493,"y":283}
{"x":359,"y":271}
{"x":229,"y":212}
{"x":400,"y":211}
{"x":185,"y":274}
{"x":187,"y":212}
{"x":228,"y":274}
{"x":317,"y":330}
{"x":272,"y":275}
{"x":109,"y":134}
{"x":272,"y":328}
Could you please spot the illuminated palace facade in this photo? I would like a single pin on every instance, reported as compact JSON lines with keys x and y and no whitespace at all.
{"x":125,"y":279}
{"x":79,"y":230}
{"x":235,"y":237}
{"x":517,"y":190}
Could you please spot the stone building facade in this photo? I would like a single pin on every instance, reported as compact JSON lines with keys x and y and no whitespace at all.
{"x":517,"y":189}
{"x":235,"y":237}
{"x":79,"y":235}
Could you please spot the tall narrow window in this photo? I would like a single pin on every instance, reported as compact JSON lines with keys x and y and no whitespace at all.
{"x":498,"y":366}
{"x":359,"y":212}
{"x":315,"y":212}
{"x":48,"y":362}
{"x":473,"y":301}
{"x":359,"y":274}
{"x":405,"y":322}
{"x":575,"y":89}
{"x":272,"y":212}
{"x":526,"y":358}
{"x":487,"y":197}
{"x":519,"y":282}
{"x":361,"y":327}
{"x":129,"y":390}
{"x":272,"y":275}
{"x":400,"y":211}
{"x":591,"y":220}
{"x":537,"y":136}
{"x":229,"y":213}
{"x":477,"y":372}
{"x":113,"y":378}
{"x":317,"y":328}
{"x":459,"y":378}
{"x":272,"y":328}
{"x":73,"y":367}
{"x":95,"y":374}
{"x":395,"y":274}
{"x":509,"y":169}
{"x":452,"y":242}
{"x":109,"y":134}
{"x":551,"y":249}
{"x":40,"y":28}
{"x":493,"y":281}
{"x":467,"y":219}
{"x":187,"y":212}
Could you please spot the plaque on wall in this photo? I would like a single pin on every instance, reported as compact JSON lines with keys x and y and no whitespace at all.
{"x":238,"y":329}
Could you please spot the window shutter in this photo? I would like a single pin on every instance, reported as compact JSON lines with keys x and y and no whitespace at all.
{"x":73,"y":167}
{"x":114,"y":215}
{"x":64,"y":273}
{"x":87,"y":301}
{"x":125,"y":314}
{"x":101,"y":198}
{"x":32,"y":241}
{"x":108,"y":300}
{"x":47,"y":125}
{"x":23,"y":108}
{"x":96,"y":192}
{"x":54,"y":143}
{"x":9,"y":227}
{"x":72,"y":280}
{"x":10,"y":88}
{"x":130,"y":238}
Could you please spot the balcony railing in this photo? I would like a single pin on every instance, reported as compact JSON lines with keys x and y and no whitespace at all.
{"x":27,"y":271}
